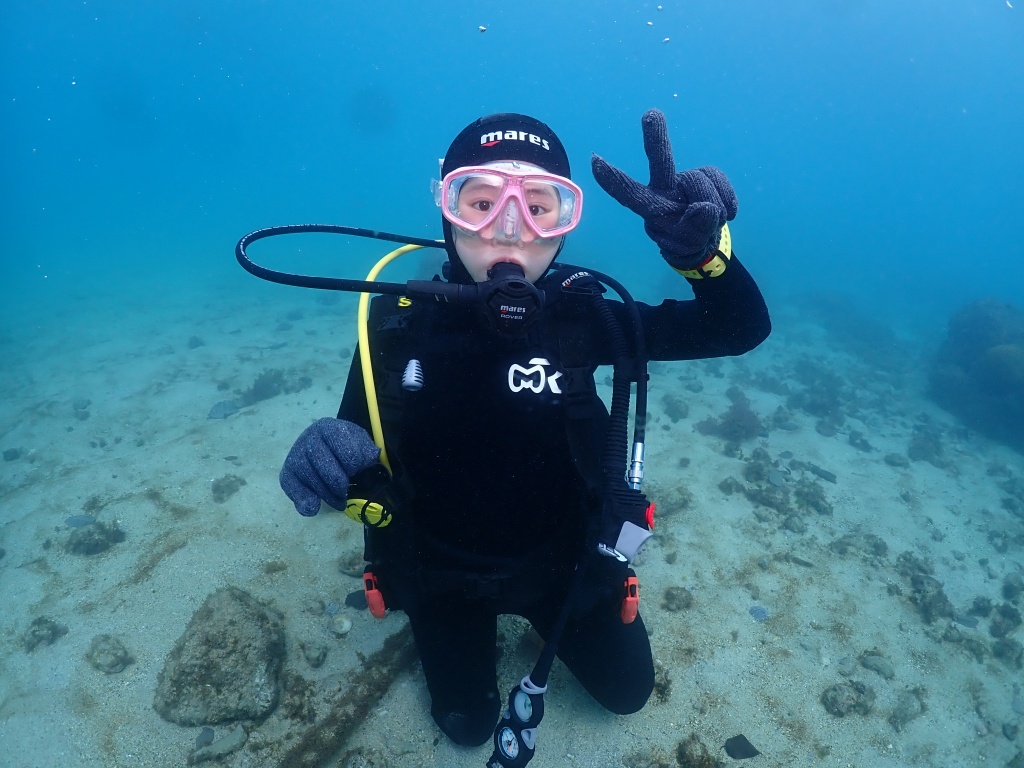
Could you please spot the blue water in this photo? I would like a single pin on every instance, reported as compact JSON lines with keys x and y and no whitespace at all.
{"x":876,"y":147}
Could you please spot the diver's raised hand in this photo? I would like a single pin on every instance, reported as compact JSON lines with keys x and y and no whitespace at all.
{"x":320,"y":463}
{"x":683,"y":212}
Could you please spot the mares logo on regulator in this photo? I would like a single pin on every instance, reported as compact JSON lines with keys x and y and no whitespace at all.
{"x":510,"y":302}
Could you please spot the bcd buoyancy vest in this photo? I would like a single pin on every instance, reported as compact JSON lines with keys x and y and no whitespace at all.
{"x":401,"y":330}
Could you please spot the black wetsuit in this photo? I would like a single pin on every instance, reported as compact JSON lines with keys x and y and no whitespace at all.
{"x":500,"y":501}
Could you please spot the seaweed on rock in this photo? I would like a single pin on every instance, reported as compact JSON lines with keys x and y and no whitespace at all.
{"x":737,"y":424}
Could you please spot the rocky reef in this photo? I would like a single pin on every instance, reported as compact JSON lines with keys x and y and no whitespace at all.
{"x":978,"y":372}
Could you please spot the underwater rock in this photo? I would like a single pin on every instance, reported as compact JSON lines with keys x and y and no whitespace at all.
{"x":222,"y":747}
{"x":926,"y":445}
{"x":877,"y":663}
{"x":980,"y":606}
{"x":270,"y":383}
{"x":978,"y":372}
{"x":95,"y":538}
{"x":1005,"y":620}
{"x":909,"y":706}
{"x":815,"y":470}
{"x":662,"y":682}
{"x":758,"y":467}
{"x":108,"y":654}
{"x":205,"y":737}
{"x":314,"y":652}
{"x":675,"y":407}
{"x":42,"y":631}
{"x":929,"y":598}
{"x":677,"y":599}
{"x":1013,"y":587}
{"x":225,"y":487}
{"x":826,"y":428}
{"x":965,"y":620}
{"x":80,"y":408}
{"x":866,"y":543}
{"x":810,"y":495}
{"x":737,"y":424}
{"x":12,"y":454}
{"x":226,"y":666}
{"x":846,"y":666}
{"x":692,"y":753}
{"x":843,"y":698}
{"x":759,"y":613}
{"x":824,"y":474}
{"x":784,"y":420}
{"x":223,"y":409}
{"x":1009,"y":651}
{"x":673,"y":496}
{"x":908,"y":564}
{"x":897,"y":460}
{"x":859,"y":441}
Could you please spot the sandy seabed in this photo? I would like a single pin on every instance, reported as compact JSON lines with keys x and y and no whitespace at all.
{"x":105,"y":406}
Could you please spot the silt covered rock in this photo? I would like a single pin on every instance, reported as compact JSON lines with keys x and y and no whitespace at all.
{"x":226,"y":666}
{"x":849,"y":697}
{"x":978,"y":372}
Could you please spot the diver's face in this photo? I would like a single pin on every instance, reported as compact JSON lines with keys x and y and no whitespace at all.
{"x":480,"y":251}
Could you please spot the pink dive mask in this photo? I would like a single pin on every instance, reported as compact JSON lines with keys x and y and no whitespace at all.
{"x":511,"y":196}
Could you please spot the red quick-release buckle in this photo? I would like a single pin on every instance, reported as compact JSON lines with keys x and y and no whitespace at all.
{"x":631,"y":600}
{"x":650,"y":515}
{"x":374,"y":598}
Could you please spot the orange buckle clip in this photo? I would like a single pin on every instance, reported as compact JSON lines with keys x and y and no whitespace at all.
{"x":374,"y":598}
{"x":650,"y":515}
{"x":631,"y":601}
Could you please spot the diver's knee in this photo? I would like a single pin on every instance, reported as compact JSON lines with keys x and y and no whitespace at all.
{"x":628,"y":703}
{"x":629,"y":696}
{"x":470,"y":728}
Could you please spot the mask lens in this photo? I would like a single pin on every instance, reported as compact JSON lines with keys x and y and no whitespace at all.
{"x":544,"y":203}
{"x":475,"y":198}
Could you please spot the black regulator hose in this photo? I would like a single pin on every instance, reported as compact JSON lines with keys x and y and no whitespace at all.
{"x":616,"y":448}
{"x":329,"y":283}
{"x":627,"y":369}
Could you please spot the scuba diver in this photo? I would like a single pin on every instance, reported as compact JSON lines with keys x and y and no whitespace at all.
{"x":496,"y":494}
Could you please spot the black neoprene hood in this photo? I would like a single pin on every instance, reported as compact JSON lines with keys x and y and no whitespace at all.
{"x":507,"y":136}
{"x":503,"y":136}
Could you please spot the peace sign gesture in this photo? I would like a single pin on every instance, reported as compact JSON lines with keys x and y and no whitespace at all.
{"x":683,"y":212}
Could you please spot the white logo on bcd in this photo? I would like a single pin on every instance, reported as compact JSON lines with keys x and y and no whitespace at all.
{"x":534,"y":378}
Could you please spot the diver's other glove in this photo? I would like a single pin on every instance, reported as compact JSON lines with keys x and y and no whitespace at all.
{"x":683,"y":212}
{"x":320,"y":463}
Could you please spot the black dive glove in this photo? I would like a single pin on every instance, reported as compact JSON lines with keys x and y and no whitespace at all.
{"x":319,"y":465}
{"x":683,"y":212}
